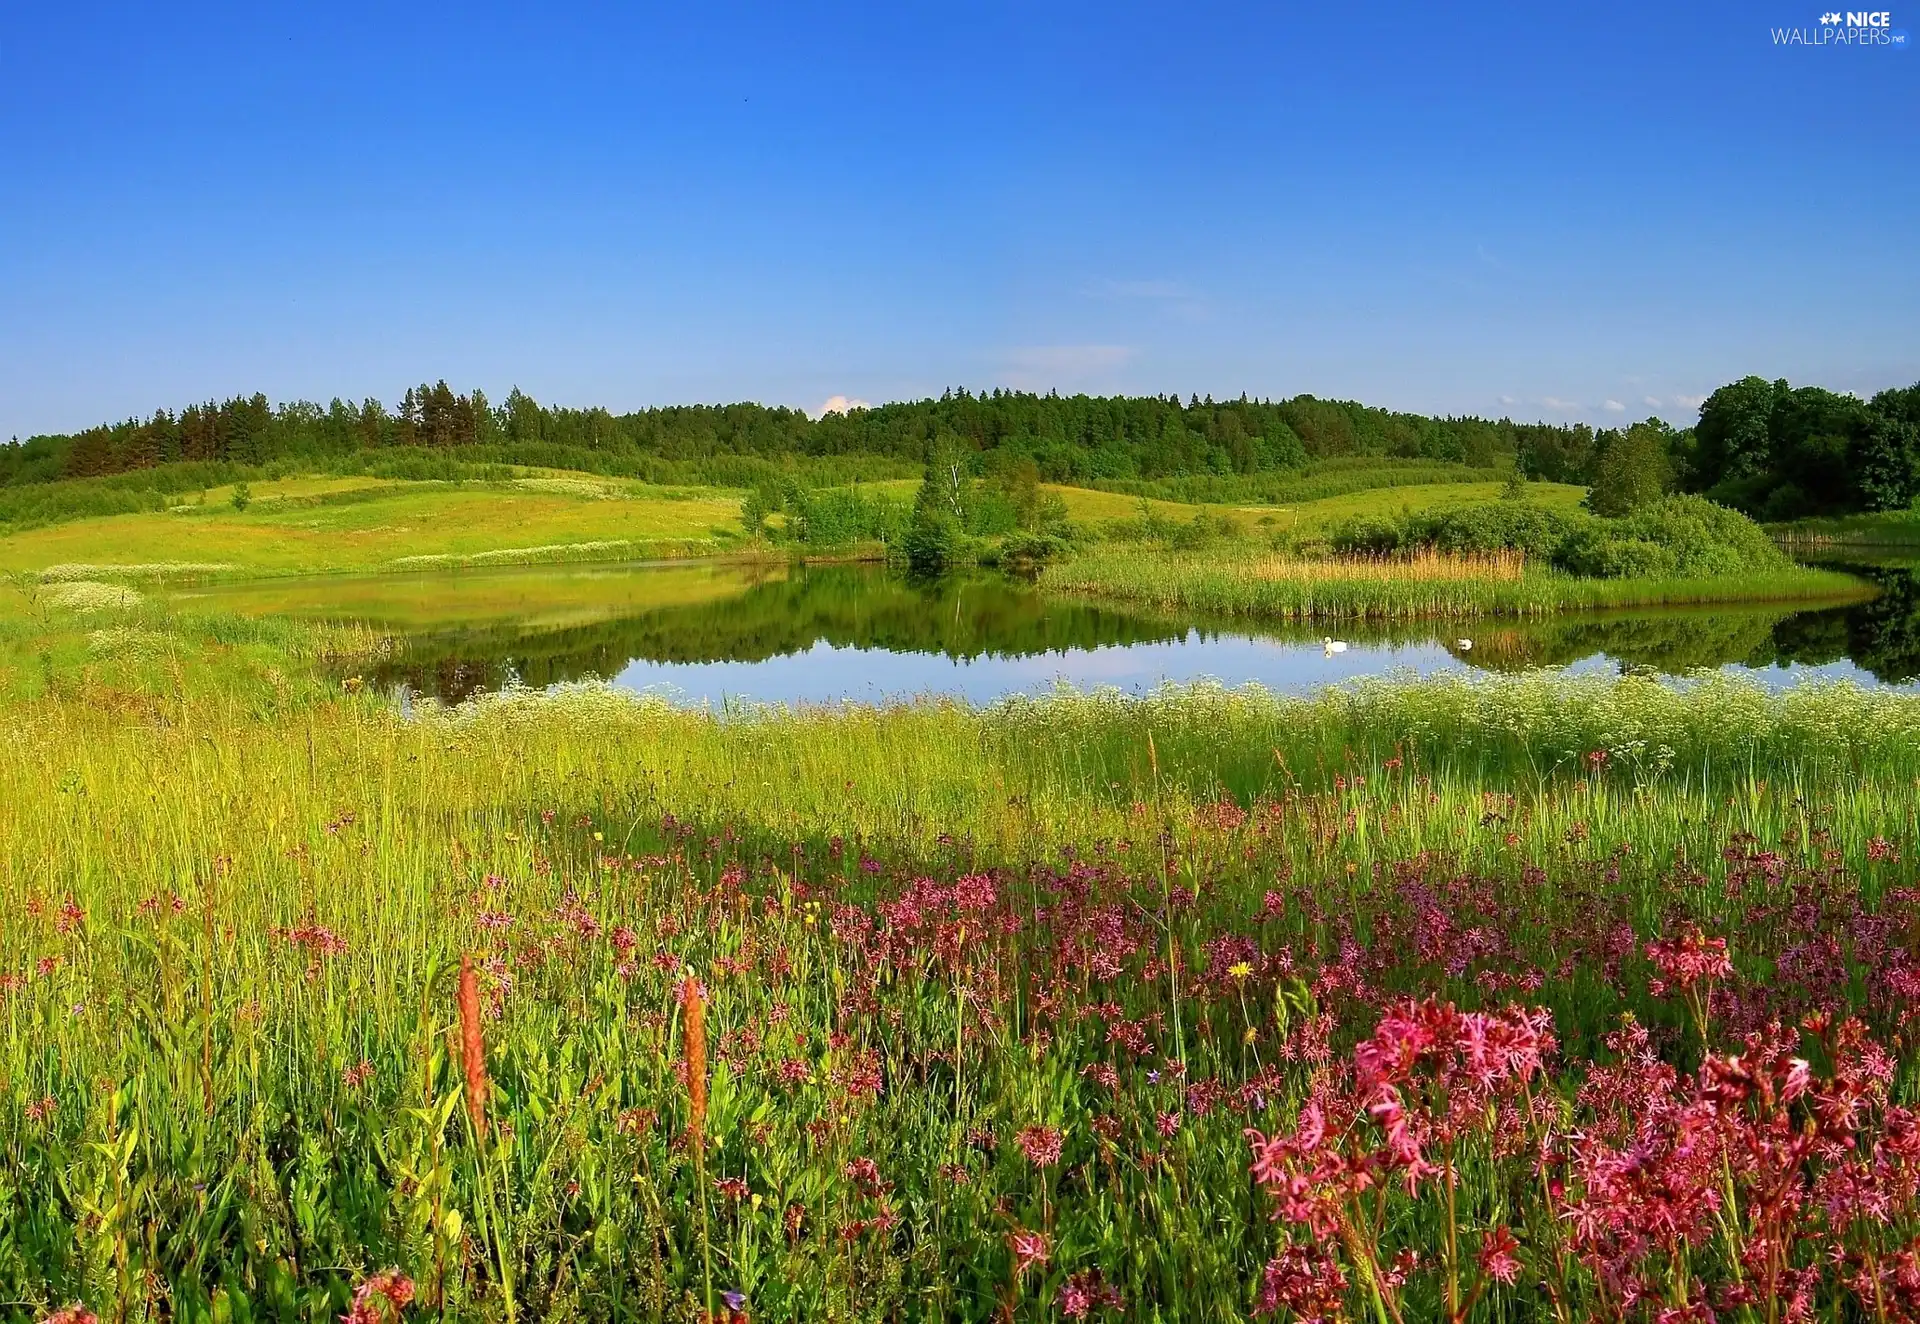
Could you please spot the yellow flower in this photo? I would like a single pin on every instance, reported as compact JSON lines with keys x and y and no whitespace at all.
{"x":1239,"y":969}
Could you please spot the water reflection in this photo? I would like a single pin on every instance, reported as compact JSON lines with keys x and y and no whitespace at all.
{"x":711,"y":632}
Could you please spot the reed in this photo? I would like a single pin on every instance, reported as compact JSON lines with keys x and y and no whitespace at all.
{"x":1424,"y":584}
{"x":1424,"y":565}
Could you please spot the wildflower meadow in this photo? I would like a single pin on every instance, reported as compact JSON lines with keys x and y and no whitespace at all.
{"x":1517,"y":1000}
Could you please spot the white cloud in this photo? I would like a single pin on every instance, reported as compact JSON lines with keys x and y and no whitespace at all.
{"x":1650,"y":402}
{"x":1690,"y":401}
{"x":1614,"y":407}
{"x":840,"y":404}
{"x":1554,"y":402}
{"x":1508,"y":400}
{"x":1063,"y":367}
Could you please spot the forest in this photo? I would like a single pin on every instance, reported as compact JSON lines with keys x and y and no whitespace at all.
{"x":1071,"y":438}
{"x":1769,"y":449}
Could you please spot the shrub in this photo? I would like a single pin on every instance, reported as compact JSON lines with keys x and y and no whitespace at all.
{"x":1678,"y":535}
{"x":1505,"y":526}
{"x":1599,"y":555}
{"x":1705,"y":539}
{"x":934,"y":540}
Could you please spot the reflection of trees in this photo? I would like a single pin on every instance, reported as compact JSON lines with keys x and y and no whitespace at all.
{"x":1883,"y":635}
{"x":846,"y":606}
{"x":983,"y":615}
{"x":1671,"y":642}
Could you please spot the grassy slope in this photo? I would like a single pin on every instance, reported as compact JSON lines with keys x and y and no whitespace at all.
{"x":541,"y":596}
{"x":306,"y":525}
{"x":358,"y":524}
{"x":288,"y":531}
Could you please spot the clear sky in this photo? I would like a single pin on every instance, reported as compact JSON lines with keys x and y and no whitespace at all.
{"x":1551,"y":211}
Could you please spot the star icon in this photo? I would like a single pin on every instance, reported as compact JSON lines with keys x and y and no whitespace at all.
{"x":1829,"y":20}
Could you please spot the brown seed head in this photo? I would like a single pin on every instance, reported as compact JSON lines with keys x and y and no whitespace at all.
{"x":473,"y":1048}
{"x":696,"y":1014}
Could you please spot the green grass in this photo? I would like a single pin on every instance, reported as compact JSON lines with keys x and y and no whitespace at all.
{"x":1230,"y":582}
{"x":230,"y":940}
{"x":347,"y":525}
{"x":234,"y":899}
{"x":1320,"y":479}
{"x":357,"y":523}
{"x":1887,"y":528}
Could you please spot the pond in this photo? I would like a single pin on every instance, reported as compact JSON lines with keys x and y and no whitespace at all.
{"x":713,"y":633}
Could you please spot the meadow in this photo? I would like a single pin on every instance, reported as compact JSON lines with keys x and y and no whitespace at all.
{"x":1516,"y":1000}
{"x":308,"y":525}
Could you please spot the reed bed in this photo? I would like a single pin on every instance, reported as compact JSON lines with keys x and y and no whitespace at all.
{"x":1425,"y":584}
{"x":585,"y":1007}
{"x":1424,"y":565}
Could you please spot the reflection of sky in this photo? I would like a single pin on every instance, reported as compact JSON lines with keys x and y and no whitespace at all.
{"x":827,"y":674}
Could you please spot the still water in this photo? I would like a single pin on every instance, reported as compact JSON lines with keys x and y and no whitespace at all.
{"x":713,"y":634}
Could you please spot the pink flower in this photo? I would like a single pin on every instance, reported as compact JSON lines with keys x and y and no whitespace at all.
{"x":1496,"y":1255}
{"x":1085,"y":1292}
{"x":390,"y":1285}
{"x":1041,"y":1145}
{"x":73,"y":1314}
{"x":1689,"y":958}
{"x":1029,"y":1249}
{"x":1306,"y":1281}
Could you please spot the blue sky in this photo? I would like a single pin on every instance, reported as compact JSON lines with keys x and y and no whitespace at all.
{"x":1535,"y":211}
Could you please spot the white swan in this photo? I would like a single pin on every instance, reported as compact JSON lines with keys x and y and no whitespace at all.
{"x":1335,"y":646}
{"x":1463,"y":644}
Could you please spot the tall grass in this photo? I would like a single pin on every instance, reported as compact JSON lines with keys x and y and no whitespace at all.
{"x":1236,"y":584}
{"x":1889,"y":528}
{"x":1316,"y":481}
{"x":258,"y":967}
{"x":1424,"y":565}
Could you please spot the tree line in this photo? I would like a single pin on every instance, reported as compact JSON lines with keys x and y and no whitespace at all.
{"x":1068,"y":438}
{"x":1769,"y":449}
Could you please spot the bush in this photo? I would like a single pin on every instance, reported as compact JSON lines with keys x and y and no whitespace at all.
{"x":1597,"y":554}
{"x":1032,"y":549}
{"x":1704,"y":539}
{"x":1490,"y":527}
{"x":935,"y":540}
{"x":1506,"y":525}
{"x":1677,"y":535}
{"x":836,"y":516}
